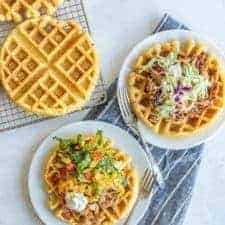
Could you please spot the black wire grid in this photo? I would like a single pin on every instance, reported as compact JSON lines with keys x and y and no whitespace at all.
{"x":12,"y":116}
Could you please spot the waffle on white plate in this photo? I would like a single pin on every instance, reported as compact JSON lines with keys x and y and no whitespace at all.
{"x":177,"y":88}
{"x":89,"y":181}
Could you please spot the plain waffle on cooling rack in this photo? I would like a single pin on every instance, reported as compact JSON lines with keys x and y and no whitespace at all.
{"x":140,"y":93}
{"x":17,"y":10}
{"x":49,"y":67}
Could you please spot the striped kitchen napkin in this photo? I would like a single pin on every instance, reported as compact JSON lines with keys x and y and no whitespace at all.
{"x":179,"y":168}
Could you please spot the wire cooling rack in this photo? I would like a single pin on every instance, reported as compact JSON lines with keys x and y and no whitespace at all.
{"x":12,"y":116}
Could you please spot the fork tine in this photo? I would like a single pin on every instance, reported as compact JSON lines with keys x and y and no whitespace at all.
{"x":123,"y":110}
{"x":126,"y":96}
{"x":127,"y":100}
{"x":121,"y":105}
{"x":145,"y":177}
{"x":148,"y":180}
{"x":125,"y":107}
{"x":148,"y":186}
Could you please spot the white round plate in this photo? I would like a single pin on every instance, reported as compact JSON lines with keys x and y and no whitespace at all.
{"x":121,"y":139}
{"x":150,"y":136}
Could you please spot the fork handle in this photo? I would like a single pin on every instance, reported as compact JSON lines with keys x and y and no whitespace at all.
{"x":154,"y":166}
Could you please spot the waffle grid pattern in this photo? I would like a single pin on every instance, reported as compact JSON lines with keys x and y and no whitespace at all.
{"x":20,"y":9}
{"x":12,"y":116}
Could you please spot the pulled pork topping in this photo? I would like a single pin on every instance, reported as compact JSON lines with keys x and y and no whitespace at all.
{"x":177,"y":87}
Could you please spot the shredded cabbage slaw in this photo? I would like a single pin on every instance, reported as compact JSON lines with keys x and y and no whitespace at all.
{"x":181,"y":86}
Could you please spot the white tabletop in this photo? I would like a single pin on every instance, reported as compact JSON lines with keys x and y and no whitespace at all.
{"x":117,"y":25}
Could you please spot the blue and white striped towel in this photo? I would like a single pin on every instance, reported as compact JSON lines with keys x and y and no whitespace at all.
{"x":179,"y":168}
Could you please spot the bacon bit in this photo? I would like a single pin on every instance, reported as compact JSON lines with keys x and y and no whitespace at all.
{"x":89,"y":175}
{"x":199,"y":108}
{"x":165,"y":52}
{"x":70,"y":167}
{"x":147,"y":88}
{"x":43,"y":10}
{"x":62,"y":196}
{"x":179,"y":115}
{"x":157,"y":77}
{"x":54,"y":179}
{"x":76,"y":147}
{"x":94,"y":208}
{"x":153,"y":118}
{"x":63,"y":173}
{"x":156,"y":97}
{"x":213,"y":90}
{"x":108,"y":198}
{"x":67,"y":214}
{"x":200,"y":62}
{"x":157,"y":68}
{"x":96,"y":155}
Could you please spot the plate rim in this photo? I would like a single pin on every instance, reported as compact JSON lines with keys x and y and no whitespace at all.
{"x":157,"y":38}
{"x":45,"y":141}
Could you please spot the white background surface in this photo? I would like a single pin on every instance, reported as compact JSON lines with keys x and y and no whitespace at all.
{"x":117,"y":25}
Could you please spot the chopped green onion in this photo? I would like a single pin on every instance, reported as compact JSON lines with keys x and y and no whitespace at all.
{"x":99,"y":136}
{"x":79,"y":139}
{"x":64,"y":143}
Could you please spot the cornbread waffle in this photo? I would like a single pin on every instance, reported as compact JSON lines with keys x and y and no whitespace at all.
{"x":49,"y":67}
{"x":57,"y":186}
{"x":106,"y":215}
{"x":141,"y":90}
{"x":18,"y":10}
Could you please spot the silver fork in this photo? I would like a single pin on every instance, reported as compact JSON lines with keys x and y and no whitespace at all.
{"x":145,"y":189}
{"x":131,"y":121}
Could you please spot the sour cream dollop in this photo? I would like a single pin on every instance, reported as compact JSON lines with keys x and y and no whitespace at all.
{"x":76,"y":201}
